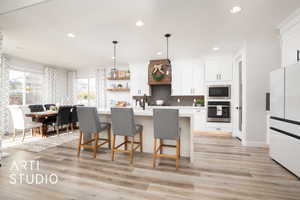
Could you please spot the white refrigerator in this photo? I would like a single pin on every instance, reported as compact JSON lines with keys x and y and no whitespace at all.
{"x":285,"y":117}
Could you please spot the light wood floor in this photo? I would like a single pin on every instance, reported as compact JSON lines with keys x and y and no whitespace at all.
{"x":223,"y":170}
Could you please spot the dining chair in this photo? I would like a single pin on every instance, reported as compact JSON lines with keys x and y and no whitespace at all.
{"x":73,"y":117}
{"x":166,"y":127}
{"x":123,"y":124}
{"x":90,"y":126}
{"x":63,"y":118}
{"x":36,"y":108}
{"x":48,"y":106}
{"x":21,"y":122}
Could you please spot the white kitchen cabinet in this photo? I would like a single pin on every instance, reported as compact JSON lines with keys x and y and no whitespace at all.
{"x":285,"y":150}
{"x":223,"y":127}
{"x":139,"y":79}
{"x":199,"y":119}
{"x":277,"y":93}
{"x":176,"y":78}
{"x":218,"y":70}
{"x":290,"y":46}
{"x":187,"y":78}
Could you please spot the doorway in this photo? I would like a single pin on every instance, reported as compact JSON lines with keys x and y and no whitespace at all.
{"x":238,"y":98}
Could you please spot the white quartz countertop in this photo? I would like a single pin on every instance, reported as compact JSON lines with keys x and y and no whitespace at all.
{"x":183,"y":111}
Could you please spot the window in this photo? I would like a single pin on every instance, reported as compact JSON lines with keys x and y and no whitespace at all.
{"x":25,"y":88}
{"x":86,"y":89}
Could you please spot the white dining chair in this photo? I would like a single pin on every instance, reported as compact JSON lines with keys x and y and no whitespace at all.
{"x":21,"y":122}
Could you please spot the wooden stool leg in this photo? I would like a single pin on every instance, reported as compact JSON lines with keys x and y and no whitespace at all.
{"x":14,"y":136}
{"x":141,"y":141}
{"x":41,"y":131}
{"x":109,"y":137}
{"x":132,"y":150}
{"x":177,"y":154}
{"x":57,"y":130}
{"x":113,"y":147}
{"x":161,"y":142}
{"x":23,"y":135}
{"x":179,"y":147}
{"x":126,"y":141}
{"x":154,"y":153}
{"x":96,"y":144}
{"x":79,"y":144}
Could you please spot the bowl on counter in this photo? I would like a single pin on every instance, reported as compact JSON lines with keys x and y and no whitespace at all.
{"x":159,"y":102}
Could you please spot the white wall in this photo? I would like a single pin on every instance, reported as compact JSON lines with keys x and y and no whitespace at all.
{"x":263,"y":56}
{"x":21,"y":64}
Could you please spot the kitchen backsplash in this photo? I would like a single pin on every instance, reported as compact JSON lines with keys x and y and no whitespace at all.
{"x":163,"y":92}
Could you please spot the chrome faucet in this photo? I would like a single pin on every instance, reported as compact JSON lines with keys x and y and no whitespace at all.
{"x":143,"y":101}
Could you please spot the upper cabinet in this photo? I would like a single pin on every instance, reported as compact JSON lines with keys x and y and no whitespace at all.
{"x":187,"y":78}
{"x":218,"y":69}
{"x":290,"y":46}
{"x":139,"y":79}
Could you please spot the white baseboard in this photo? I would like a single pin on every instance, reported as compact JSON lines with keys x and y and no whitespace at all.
{"x":255,"y":144}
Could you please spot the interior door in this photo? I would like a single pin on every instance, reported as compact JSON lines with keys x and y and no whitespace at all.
{"x":238,"y":98}
{"x":292,"y":93}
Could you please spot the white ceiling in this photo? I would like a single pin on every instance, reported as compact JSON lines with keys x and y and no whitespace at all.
{"x":39,"y":32}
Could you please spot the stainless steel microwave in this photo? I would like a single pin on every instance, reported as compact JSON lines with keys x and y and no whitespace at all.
{"x":219,"y":92}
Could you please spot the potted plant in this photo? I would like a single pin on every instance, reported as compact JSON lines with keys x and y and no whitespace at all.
{"x":200,"y":102}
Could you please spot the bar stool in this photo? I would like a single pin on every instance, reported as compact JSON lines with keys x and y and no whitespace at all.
{"x":90,"y":124}
{"x":123,"y":125}
{"x":166,"y":127}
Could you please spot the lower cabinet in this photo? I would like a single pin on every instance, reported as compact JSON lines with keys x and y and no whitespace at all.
{"x":285,"y":150}
{"x":224,"y":127}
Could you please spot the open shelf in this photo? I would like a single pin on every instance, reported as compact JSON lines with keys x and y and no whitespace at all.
{"x":118,"y":78}
{"x":118,"y":89}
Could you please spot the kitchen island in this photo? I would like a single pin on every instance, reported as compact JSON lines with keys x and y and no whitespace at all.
{"x":145,"y":118}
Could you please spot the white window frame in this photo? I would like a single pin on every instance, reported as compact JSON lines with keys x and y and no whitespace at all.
{"x":89,"y":79}
{"x":24,"y":85}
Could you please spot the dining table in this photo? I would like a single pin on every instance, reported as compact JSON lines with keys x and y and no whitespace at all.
{"x":41,"y":116}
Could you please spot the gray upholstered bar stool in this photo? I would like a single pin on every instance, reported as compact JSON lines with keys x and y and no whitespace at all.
{"x":90,"y":124}
{"x":123,"y":124}
{"x":166,"y":127}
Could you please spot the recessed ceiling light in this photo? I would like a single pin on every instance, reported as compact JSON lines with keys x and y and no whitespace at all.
{"x":139,"y":23}
{"x":159,"y":53}
{"x":235,"y":9}
{"x":113,"y":57}
{"x":216,"y":48}
{"x":71,"y":35}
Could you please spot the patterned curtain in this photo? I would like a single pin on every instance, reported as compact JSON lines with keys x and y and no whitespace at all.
{"x":100,"y":88}
{"x":71,"y":90}
{"x":50,"y":85}
{"x":4,"y":92}
{"x":55,"y":86}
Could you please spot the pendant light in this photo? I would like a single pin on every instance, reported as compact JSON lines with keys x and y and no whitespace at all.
{"x":114,"y":68}
{"x":167,"y":37}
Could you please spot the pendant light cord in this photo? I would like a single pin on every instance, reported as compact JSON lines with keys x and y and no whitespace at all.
{"x":115,"y":54}
{"x":167,"y":36}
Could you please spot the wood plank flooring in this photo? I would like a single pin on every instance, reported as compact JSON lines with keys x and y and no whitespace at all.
{"x":223,"y":170}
